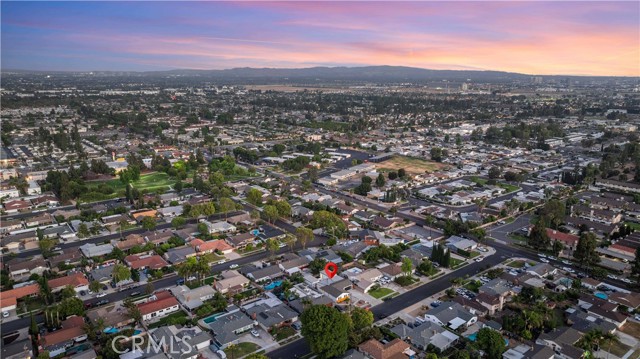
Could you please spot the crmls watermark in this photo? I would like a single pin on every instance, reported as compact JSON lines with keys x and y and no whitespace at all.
{"x":154,"y":346}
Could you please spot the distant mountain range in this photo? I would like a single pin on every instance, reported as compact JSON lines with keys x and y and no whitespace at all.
{"x":338,"y":74}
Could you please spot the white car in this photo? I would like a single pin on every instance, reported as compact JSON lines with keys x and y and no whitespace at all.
{"x":611,"y":276}
{"x":255,"y":333}
{"x":544,"y":260}
{"x":542,"y":255}
{"x":5,"y":314}
{"x":479,"y":259}
{"x":100,"y":295}
{"x":233,"y":266}
{"x":627,"y":280}
{"x":564,"y":261}
{"x":567,"y":269}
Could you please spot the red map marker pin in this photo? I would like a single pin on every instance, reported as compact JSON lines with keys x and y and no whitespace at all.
{"x":331,"y":269}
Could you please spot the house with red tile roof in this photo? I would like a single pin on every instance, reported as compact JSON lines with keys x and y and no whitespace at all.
{"x":59,"y":341}
{"x":159,"y":305}
{"x":569,"y":241}
{"x":203,"y":247}
{"x":395,"y":349}
{"x":16,"y":206}
{"x":77,"y":281}
{"x":9,"y":298}
{"x":146,"y":261}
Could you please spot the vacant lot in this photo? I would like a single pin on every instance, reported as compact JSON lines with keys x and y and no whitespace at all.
{"x":412,"y":165}
{"x":631,"y":328}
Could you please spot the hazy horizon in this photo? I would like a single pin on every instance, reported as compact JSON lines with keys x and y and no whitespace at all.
{"x":533,"y":38}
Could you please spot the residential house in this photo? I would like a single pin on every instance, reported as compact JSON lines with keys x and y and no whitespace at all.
{"x":191,"y":299}
{"x":9,"y":298}
{"x":451,"y":314}
{"x":426,"y":334}
{"x":227,"y":328}
{"x":367,"y":279}
{"x":232,"y":282}
{"x":58,"y":342}
{"x":149,"y":261}
{"x":9,"y":225}
{"x":294,"y":265}
{"x":241,"y":240}
{"x":159,"y":305}
{"x":542,"y":270}
{"x":41,"y":220}
{"x":495,"y":292}
{"x":562,"y":341}
{"x":272,"y":316}
{"x":115,"y":316}
{"x":395,"y":349}
{"x":393,"y":270}
{"x":129,"y":242}
{"x":179,"y":254}
{"x":264,"y":274}
{"x":77,"y":281}
{"x":338,"y":291}
{"x":90,"y":250}
{"x":20,"y":270}
{"x":217,"y":245}
{"x":138,"y":215}
{"x":219,"y":227}
{"x":16,"y":206}
{"x":20,"y":349}
{"x":455,"y":244}
{"x":569,"y":241}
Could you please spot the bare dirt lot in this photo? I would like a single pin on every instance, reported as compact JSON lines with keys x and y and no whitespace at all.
{"x":412,"y":165}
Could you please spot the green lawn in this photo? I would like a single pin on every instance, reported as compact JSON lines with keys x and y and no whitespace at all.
{"x":516,"y":264}
{"x":282,"y":333}
{"x":473,"y":285}
{"x":480,"y":181}
{"x":518,"y":237}
{"x":633,"y":225}
{"x":474,"y":254}
{"x":241,"y":349}
{"x":456,"y":262}
{"x":380,"y":292}
{"x":178,"y":317}
{"x":509,"y":187}
{"x":150,"y":181}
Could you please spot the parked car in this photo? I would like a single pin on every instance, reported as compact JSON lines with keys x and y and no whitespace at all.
{"x":102,"y":302}
{"x":180,"y":281}
{"x":233,"y":266}
{"x":544,"y":260}
{"x":255,"y":333}
{"x":611,"y":276}
{"x":479,"y":259}
{"x":567,"y":269}
{"x":83,"y":293}
{"x":133,"y":294}
{"x":101,"y":294}
{"x":5,"y":314}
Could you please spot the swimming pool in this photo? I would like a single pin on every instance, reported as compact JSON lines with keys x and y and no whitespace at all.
{"x":601,"y":295}
{"x":212,"y":318}
{"x":272,"y":285}
{"x":474,"y":336}
{"x":255,"y":232}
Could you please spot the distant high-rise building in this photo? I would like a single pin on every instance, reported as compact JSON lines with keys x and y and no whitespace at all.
{"x":465,"y":86}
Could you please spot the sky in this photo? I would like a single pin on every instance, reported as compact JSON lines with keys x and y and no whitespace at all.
{"x":537,"y":37}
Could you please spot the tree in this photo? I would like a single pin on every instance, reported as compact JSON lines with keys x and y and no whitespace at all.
{"x":491,"y":342}
{"x":272,"y":246}
{"x":149,"y":223}
{"x":585,"y":252}
{"x":284,"y":209}
{"x":46,"y":245}
{"x":317,"y":265}
{"x":313,"y":174}
{"x":254,"y":197}
{"x":202,"y":228}
{"x":557,"y":248}
{"x":495,"y":172}
{"x":95,"y":286}
{"x":538,"y":237}
{"x":304,"y":236}
{"x":380,"y":181}
{"x":290,"y":240}
{"x":33,"y":328}
{"x":278,"y":148}
{"x":552,"y":214}
{"x":67,"y":292}
{"x":326,"y":330}
{"x":407,"y":266}
{"x":83,"y":230}
{"x":178,"y":186}
{"x":271,"y":213}
{"x":402,"y":173}
{"x":120,"y":273}
{"x":178,"y":222}
{"x":361,"y":318}
{"x":225,"y":205}
{"x":438,"y":154}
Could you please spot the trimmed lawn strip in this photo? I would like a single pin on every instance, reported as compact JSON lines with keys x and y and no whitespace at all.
{"x":380,"y":292}
{"x":241,"y":349}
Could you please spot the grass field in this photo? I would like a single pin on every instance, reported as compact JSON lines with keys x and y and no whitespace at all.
{"x":380,"y":292}
{"x":412,"y":165}
{"x":151,"y":182}
{"x":516,"y":264}
{"x":241,"y":349}
{"x":633,"y":225}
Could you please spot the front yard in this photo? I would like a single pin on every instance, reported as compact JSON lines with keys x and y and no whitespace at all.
{"x":178,"y":317}
{"x":241,"y":349}
{"x":380,"y":292}
{"x":282,"y":333}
